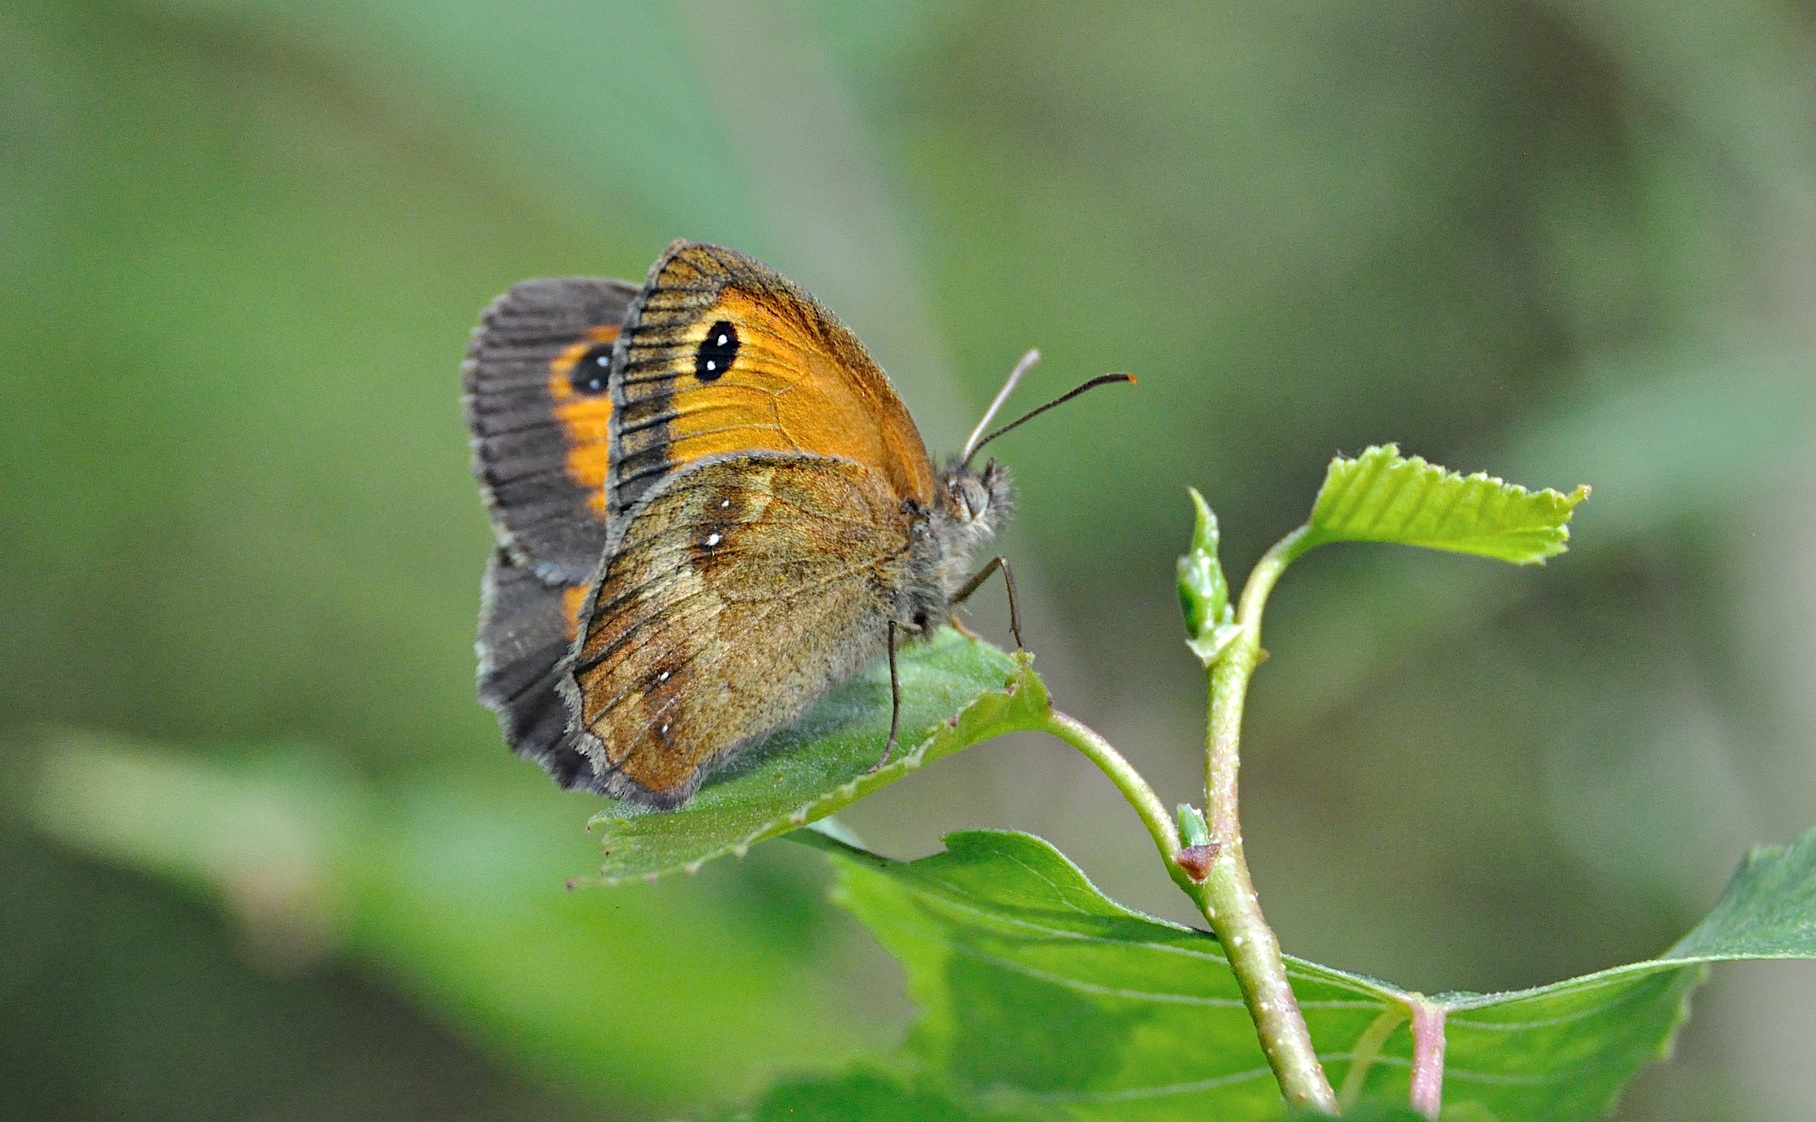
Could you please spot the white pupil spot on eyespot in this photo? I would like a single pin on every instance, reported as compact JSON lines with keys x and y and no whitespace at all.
{"x":725,"y":504}
{"x":713,"y":539}
{"x":662,"y":677}
{"x":711,"y":365}
{"x":664,"y":728}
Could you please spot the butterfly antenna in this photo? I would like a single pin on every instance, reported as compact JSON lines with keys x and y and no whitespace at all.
{"x":974,"y":444}
{"x":1027,"y":363}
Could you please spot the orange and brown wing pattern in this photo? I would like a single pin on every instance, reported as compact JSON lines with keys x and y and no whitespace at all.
{"x":538,"y":405}
{"x":722,"y":355}
{"x":744,"y":588}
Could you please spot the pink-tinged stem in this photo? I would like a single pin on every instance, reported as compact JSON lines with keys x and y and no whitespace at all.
{"x":1427,"y":1056}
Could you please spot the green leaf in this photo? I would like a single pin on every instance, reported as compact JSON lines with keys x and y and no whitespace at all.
{"x":1768,"y":910}
{"x":1381,"y":496}
{"x":1040,"y":996}
{"x":866,"y":1095}
{"x":875,"y":1097}
{"x":955,"y":692}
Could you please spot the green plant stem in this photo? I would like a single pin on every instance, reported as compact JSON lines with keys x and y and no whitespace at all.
{"x":1127,"y":780}
{"x":1227,"y":894}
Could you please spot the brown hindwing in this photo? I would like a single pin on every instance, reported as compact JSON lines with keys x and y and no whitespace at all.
{"x":740,"y":590}
{"x":539,"y":407}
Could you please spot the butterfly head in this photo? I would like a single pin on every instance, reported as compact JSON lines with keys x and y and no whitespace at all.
{"x":978,"y":498}
{"x":973,"y":504}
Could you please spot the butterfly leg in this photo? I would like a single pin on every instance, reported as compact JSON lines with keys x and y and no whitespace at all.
{"x":958,"y":625}
{"x":965,"y":590}
{"x":895,"y":701}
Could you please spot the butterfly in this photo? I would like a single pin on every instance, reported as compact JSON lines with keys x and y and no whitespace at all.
{"x":710,"y":508}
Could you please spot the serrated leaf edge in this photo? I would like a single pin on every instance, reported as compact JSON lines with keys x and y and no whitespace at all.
{"x":1336,"y":506}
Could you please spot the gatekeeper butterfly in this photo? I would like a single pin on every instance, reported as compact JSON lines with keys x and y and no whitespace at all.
{"x":711,"y":508}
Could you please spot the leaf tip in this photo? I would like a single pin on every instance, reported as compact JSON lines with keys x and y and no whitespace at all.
{"x":1206,"y":519}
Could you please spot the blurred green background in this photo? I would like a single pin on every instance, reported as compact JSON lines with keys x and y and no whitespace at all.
{"x":263,"y":856}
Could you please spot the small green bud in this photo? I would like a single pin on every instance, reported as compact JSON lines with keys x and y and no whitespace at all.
{"x":1204,"y":593}
{"x":1192,"y":828}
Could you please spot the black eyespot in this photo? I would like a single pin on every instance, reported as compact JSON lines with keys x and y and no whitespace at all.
{"x":717,"y":351}
{"x":590,"y":374}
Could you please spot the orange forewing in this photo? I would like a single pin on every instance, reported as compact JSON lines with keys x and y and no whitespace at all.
{"x":800,"y":382}
{"x":790,"y":391}
{"x":585,"y":418}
